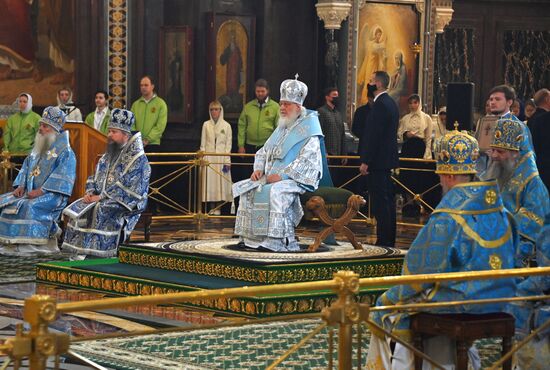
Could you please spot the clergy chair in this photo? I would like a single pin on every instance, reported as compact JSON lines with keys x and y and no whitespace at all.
{"x":337,"y":219}
{"x":335,"y":207}
{"x":464,"y":329}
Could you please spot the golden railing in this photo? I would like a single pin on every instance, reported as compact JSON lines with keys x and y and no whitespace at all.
{"x":194,"y":165}
{"x":38,"y":343}
{"x":7,"y":168}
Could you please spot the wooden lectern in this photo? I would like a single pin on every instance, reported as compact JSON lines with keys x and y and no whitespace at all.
{"x":88,"y":144}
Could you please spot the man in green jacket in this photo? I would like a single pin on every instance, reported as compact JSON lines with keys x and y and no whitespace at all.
{"x":99,"y":118}
{"x":257,"y":120}
{"x":21,"y":127}
{"x":151,"y":115}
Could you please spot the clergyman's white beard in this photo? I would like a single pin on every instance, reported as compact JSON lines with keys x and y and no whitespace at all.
{"x":287,"y":121}
{"x":42,"y":143}
{"x":501,"y":171}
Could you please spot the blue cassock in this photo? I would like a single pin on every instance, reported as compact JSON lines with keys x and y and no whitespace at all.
{"x":33,"y":221}
{"x":97,"y":228}
{"x":470,"y":230}
{"x":526,"y":197}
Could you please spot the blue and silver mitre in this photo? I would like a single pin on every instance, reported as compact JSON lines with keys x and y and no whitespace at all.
{"x":508,"y":134}
{"x":456,"y":153}
{"x":293,"y":91}
{"x":121,"y":119}
{"x":54,"y":117}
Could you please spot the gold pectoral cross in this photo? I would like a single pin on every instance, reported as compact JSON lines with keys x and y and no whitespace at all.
{"x":36,"y":171}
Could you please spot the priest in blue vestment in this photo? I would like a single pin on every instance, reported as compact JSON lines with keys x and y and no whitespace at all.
{"x":115,"y":196}
{"x":29,"y":214}
{"x":470,"y":230}
{"x":289,"y":164}
{"x":522,"y":190}
{"x":532,"y":315}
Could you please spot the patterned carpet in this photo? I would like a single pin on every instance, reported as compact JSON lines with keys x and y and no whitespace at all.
{"x":253,"y":346}
{"x":22,"y":269}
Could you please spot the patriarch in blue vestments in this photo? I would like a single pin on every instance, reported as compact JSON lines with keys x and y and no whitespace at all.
{"x":29,"y":214}
{"x":116,"y":194}
{"x":289,"y":164}
{"x":470,"y":230}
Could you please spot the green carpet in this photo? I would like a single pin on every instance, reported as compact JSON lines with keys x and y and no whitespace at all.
{"x":253,"y":346}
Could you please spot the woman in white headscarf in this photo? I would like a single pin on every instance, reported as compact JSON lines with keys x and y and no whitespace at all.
{"x":21,"y":127}
{"x":217,"y":138}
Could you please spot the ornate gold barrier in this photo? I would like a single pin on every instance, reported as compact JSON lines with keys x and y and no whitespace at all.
{"x":38,"y":343}
{"x":194,"y":165}
{"x":191,"y":166}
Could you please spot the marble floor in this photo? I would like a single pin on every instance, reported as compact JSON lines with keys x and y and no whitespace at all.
{"x":16,"y":286}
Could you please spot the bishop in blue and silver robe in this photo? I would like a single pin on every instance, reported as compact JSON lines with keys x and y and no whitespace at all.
{"x":288,"y":165}
{"x":522,"y":190}
{"x":29,"y":215}
{"x":470,"y":230}
{"x":116,"y":194}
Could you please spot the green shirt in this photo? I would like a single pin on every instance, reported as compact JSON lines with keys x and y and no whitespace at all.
{"x":104,"y":128}
{"x":151,"y":118}
{"x":20,"y":132}
{"x":255,"y":124}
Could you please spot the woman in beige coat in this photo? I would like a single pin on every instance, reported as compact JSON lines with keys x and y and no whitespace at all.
{"x":216,"y":138}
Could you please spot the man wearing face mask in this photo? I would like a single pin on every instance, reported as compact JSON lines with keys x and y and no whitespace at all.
{"x":21,"y":127}
{"x":379,"y":157}
{"x":332,"y":125}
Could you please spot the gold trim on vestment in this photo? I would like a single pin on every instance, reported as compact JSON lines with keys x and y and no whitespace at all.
{"x":482,"y":242}
{"x":476,"y":183}
{"x":532,"y":216}
{"x":503,"y":146}
{"x":522,"y":186}
{"x":464,"y":212}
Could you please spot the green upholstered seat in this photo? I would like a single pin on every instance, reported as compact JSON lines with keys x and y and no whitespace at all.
{"x":336,"y":200}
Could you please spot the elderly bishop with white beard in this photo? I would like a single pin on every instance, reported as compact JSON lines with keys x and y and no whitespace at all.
{"x":29,"y":214}
{"x":289,"y":164}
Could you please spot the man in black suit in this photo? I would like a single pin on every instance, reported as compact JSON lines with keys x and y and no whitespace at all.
{"x":379,"y":156}
{"x":539,"y":124}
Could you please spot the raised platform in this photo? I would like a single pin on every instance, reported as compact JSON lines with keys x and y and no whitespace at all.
{"x":156,"y":268}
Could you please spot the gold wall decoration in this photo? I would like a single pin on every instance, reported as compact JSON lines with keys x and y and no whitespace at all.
{"x":118,"y":51}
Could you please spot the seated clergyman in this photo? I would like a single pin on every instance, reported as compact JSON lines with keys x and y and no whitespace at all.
{"x":115,"y":196}
{"x":29,"y":214}
{"x":289,"y":164}
{"x":470,"y":230}
{"x":523,"y":192}
{"x":532,"y":315}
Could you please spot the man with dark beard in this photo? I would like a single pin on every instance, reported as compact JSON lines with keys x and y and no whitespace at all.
{"x":42,"y":188}
{"x":522,"y":189}
{"x":115,"y":196}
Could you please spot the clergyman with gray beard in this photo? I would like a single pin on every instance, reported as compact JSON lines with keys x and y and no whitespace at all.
{"x":30,"y":213}
{"x":523,"y":192}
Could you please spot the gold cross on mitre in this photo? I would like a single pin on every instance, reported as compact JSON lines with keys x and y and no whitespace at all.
{"x":456,"y":125}
{"x":51,"y":153}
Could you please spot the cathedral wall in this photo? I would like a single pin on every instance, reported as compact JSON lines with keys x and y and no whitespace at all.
{"x":494,"y":42}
